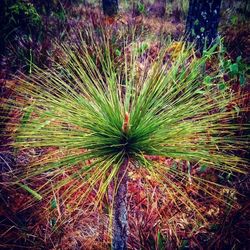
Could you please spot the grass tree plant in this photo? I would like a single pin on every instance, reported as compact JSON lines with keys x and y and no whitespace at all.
{"x":102,"y":113}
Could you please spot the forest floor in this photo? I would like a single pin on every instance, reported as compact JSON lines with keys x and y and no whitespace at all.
{"x":154,"y":221}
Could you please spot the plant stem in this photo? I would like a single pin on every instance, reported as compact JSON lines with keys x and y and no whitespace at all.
{"x":120,"y":220}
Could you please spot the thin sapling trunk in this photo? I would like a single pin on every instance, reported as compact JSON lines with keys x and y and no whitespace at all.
{"x":120,"y":219}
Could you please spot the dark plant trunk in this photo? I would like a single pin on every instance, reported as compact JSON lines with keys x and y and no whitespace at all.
{"x":120,"y":220}
{"x":3,"y":23}
{"x":110,"y":7}
{"x":202,"y":22}
{"x":161,"y":8}
{"x":158,"y":8}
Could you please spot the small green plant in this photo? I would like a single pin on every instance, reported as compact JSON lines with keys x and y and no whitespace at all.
{"x":103,"y":118}
{"x":142,"y":48}
{"x":141,"y":8}
{"x":21,"y":29}
{"x":21,"y":12}
{"x":237,"y":70}
{"x":234,"y":20}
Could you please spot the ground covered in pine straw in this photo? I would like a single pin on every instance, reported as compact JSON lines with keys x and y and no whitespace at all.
{"x":217,"y":216}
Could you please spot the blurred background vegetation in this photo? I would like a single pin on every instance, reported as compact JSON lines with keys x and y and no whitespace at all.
{"x":30,"y":32}
{"x":27,"y":27}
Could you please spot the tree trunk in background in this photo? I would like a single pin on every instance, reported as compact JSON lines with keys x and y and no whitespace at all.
{"x":202,"y":22}
{"x":3,"y":22}
{"x":120,"y":219}
{"x":161,"y":8}
{"x":110,"y":7}
{"x":158,"y":8}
